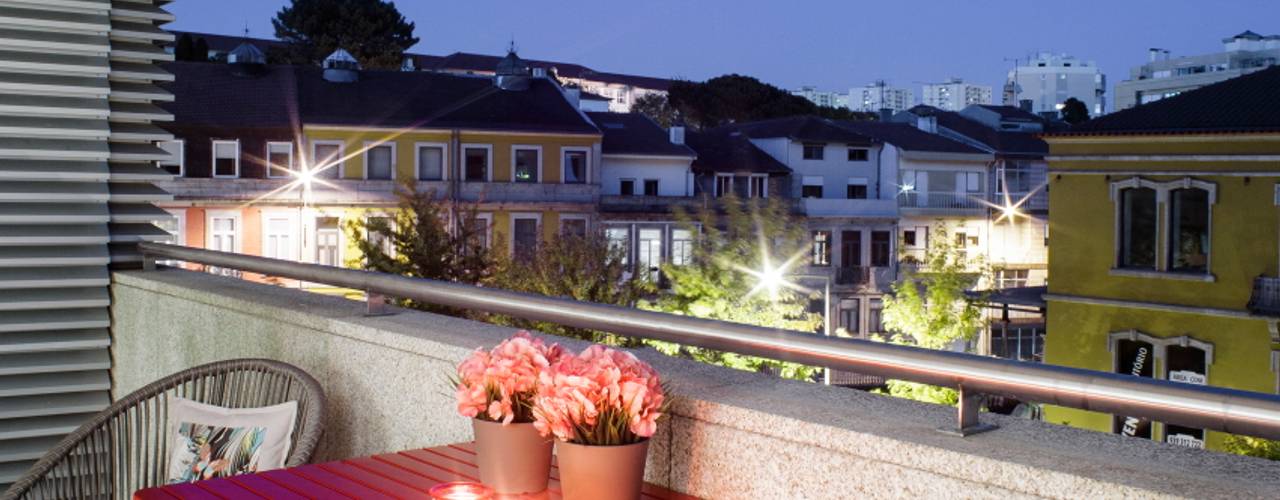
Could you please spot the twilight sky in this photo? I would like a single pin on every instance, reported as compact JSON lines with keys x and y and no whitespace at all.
{"x":833,"y":44}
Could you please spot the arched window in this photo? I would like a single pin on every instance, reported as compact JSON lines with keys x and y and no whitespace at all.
{"x":1188,"y":230}
{"x":1138,"y":228}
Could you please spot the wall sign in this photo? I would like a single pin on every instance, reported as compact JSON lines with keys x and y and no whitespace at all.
{"x":1134,"y":357}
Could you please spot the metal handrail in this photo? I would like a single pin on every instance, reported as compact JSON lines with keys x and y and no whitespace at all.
{"x":1213,"y":408}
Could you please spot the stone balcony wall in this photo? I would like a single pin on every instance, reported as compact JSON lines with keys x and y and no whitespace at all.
{"x":731,"y":434}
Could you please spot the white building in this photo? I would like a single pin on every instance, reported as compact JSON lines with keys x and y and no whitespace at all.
{"x":955,"y":94}
{"x":1163,"y":76}
{"x":879,"y":95}
{"x":822,"y":98}
{"x":1048,"y":80}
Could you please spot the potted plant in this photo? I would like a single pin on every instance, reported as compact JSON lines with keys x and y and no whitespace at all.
{"x":496,"y":389}
{"x":601,"y":406}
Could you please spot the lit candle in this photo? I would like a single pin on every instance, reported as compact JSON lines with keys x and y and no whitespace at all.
{"x":460,"y":490}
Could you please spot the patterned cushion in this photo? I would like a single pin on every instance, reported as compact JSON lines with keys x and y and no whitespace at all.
{"x":208,"y":441}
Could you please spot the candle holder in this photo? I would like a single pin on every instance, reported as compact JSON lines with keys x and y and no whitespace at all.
{"x":460,"y":490}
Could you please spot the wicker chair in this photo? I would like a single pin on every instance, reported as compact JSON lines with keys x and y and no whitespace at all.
{"x":125,"y":447}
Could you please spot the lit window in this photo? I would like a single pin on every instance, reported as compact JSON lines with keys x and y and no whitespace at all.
{"x":1138,"y":228}
{"x":380,"y":162}
{"x":279,"y":159}
{"x":430,"y":163}
{"x":476,"y":161}
{"x":575,"y":167}
{"x":526,"y":165}
{"x":226,"y":158}
{"x":175,"y":149}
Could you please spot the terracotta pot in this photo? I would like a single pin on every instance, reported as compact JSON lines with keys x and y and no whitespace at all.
{"x":512,"y":458}
{"x":601,"y":472}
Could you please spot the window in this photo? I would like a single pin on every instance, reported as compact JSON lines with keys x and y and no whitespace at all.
{"x":822,"y":248}
{"x":651,"y":187}
{"x":328,"y":241}
{"x":758,"y":187}
{"x":909,"y":238}
{"x":724,"y":185}
{"x":880,"y":249}
{"x":620,"y":242}
{"x":176,"y":150}
{"x":1138,"y":228}
{"x":1188,"y":230}
{"x":279,"y":159}
{"x":851,"y":249}
{"x":476,"y":163}
{"x":814,"y":151}
{"x":851,"y":316}
{"x":327,"y":158}
{"x":479,"y":227}
{"x":575,"y":167}
{"x":858,"y":154}
{"x":430,"y":160}
{"x":1012,"y":278}
{"x":856,"y":189}
{"x":812,"y":186}
{"x":1015,"y":177}
{"x":971,"y":182}
{"x":573,"y":225}
{"x":379,"y":234}
{"x":277,"y":238}
{"x":875,"y":320}
{"x":681,"y":247}
{"x":627,"y":187}
{"x":527,"y":164}
{"x":226,"y":158}
{"x":649,"y":252}
{"x":224,"y":236}
{"x":379,"y":162}
{"x":524,"y":238}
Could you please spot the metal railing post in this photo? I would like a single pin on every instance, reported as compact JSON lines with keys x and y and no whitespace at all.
{"x":967,"y":411}
{"x":376,"y":304}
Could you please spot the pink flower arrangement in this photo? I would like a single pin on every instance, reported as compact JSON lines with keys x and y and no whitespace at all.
{"x":600,"y":397}
{"x":500,"y":385}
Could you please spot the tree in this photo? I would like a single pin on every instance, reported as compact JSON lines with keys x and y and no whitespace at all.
{"x":656,"y":107}
{"x":200,"y":52}
{"x":737,"y":98}
{"x":928,"y":308}
{"x":429,"y":238}
{"x":182,"y":50}
{"x":371,"y":30}
{"x":580,"y":267}
{"x":1074,"y":111}
{"x":714,"y":284}
{"x":1253,"y":447}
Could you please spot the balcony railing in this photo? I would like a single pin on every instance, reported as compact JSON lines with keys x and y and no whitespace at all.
{"x":1265,"y":299}
{"x":853,"y":275}
{"x":948,"y":200}
{"x":1213,"y":408}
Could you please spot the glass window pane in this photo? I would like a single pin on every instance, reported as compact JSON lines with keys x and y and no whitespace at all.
{"x":573,"y":227}
{"x":1189,"y":230}
{"x":620,"y":241}
{"x":477,"y":164}
{"x":880,"y":246}
{"x":526,"y":165}
{"x":279,"y":159}
{"x":327,"y":161}
{"x":379,"y":158}
{"x":525,"y":232}
{"x":1138,"y":228}
{"x":681,"y":247}
{"x":430,"y":163}
{"x":575,"y":167}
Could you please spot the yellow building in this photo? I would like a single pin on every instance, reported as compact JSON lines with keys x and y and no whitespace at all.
{"x":1164,"y":247}
{"x":515,"y":144}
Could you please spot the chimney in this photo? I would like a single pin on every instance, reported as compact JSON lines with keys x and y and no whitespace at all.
{"x":928,"y":124}
{"x":1153,"y":54}
{"x":677,"y":134}
{"x":1025,"y":105}
{"x":886,"y":114}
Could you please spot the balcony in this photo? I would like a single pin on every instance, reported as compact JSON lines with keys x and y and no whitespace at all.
{"x":839,"y":207}
{"x":937,"y":203}
{"x":730,"y":434}
{"x":1265,"y":299}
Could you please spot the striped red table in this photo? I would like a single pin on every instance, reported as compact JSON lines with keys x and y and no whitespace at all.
{"x":407,"y":474}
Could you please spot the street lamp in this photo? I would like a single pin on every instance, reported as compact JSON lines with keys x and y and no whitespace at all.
{"x":774,"y":279}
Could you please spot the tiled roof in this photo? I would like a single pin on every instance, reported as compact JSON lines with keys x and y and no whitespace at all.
{"x":729,"y":151}
{"x":636,"y":134}
{"x":800,"y":128}
{"x":208,"y":94}
{"x":909,"y":138}
{"x":1001,"y":142}
{"x":1249,"y":103}
{"x":1011,"y":113}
